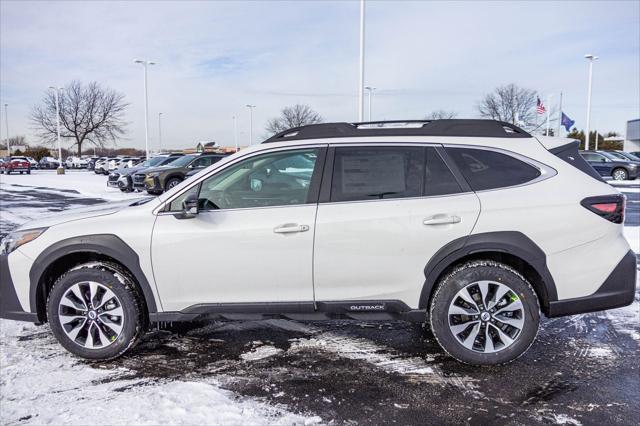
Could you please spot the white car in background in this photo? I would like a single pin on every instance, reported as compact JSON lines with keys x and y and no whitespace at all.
{"x":74,"y":162}
{"x":473,"y":227}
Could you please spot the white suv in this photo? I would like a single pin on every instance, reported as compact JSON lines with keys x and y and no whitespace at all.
{"x":472,"y":226}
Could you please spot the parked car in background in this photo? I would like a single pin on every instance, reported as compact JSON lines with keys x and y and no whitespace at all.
{"x":196,"y":170}
{"x":74,"y":162}
{"x":625,"y":155}
{"x":102,"y":165}
{"x":609,"y":165}
{"x":34,"y":163}
{"x":340,"y":220}
{"x":123,"y":177}
{"x":15,"y":165}
{"x":49,"y":163}
{"x":91,"y":162}
{"x":159,"y":179}
{"x":635,"y":153}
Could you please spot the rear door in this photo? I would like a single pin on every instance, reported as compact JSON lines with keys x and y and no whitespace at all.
{"x":384,"y":212}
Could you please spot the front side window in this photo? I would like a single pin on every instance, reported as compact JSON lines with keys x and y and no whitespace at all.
{"x":273,"y":179}
{"x":485,"y":169}
{"x":370,"y":173}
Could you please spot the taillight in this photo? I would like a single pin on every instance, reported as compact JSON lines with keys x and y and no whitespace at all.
{"x":609,"y":207}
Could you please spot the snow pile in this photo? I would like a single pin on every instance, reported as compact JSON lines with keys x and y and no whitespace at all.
{"x":43,"y":384}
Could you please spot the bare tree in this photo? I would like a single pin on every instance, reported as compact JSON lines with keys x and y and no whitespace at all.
{"x":88,"y":114}
{"x":510,"y":103}
{"x":441,"y":114}
{"x":293,"y":116}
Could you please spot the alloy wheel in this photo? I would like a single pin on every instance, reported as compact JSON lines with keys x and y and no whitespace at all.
{"x":91,"y":315}
{"x":620,"y":174}
{"x":486,"y":316}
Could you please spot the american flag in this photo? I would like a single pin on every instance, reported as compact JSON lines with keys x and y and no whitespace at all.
{"x":540,"y":109}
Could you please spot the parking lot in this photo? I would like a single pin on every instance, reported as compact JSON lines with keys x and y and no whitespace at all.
{"x":582,"y":369}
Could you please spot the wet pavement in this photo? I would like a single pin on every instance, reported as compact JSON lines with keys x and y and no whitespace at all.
{"x":583,"y":369}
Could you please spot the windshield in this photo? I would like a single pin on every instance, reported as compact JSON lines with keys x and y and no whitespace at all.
{"x":182,"y":161}
{"x":630,"y":156}
{"x":153,"y":161}
{"x":615,"y":156}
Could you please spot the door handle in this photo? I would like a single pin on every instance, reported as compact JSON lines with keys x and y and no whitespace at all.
{"x":289,"y":228}
{"x":441,"y":220}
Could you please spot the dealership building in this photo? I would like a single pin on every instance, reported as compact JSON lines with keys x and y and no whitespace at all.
{"x":632,"y":139}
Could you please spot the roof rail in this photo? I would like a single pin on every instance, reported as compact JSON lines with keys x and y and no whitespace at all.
{"x":448,"y":127}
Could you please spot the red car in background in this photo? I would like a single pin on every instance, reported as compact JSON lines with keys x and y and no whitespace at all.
{"x":11,"y":165}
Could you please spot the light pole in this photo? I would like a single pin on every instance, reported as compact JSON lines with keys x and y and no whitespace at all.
{"x":6,"y":122}
{"x":160,"y":131}
{"x":56,"y":91}
{"x":145,"y":64}
{"x":361,"y":74}
{"x":251,"y":107}
{"x":370,"y":89}
{"x":591,"y":58}
{"x":235,"y":133}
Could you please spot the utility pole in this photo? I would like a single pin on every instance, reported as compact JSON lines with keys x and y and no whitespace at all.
{"x":160,"y":132}
{"x":6,"y":122}
{"x":251,"y":107}
{"x":370,"y":89}
{"x":361,"y":76}
{"x":591,"y":58}
{"x":235,"y":133}
{"x":56,"y":91}
{"x":145,"y":64}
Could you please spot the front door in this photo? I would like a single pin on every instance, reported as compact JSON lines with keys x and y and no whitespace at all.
{"x":252,"y":239}
{"x":390,"y":210}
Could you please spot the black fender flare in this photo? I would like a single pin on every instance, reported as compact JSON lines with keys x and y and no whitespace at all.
{"x":106,"y":244}
{"x":510,"y":242}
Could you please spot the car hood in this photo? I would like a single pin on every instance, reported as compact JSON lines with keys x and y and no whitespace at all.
{"x":128,"y":170}
{"x":158,"y":169}
{"x":73,"y":214}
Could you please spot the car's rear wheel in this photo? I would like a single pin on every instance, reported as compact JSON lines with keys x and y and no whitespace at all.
{"x":172,"y":182}
{"x":484,"y":313}
{"x":620,"y":174}
{"x":95,"y":312}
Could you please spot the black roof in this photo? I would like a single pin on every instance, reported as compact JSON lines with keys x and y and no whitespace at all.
{"x":449,"y":127}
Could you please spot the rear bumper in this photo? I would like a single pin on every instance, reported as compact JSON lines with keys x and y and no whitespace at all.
{"x":10,"y":307}
{"x":618,"y":290}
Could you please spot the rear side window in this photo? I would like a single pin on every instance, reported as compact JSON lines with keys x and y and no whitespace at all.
{"x":369,"y":173}
{"x":485,"y":169}
{"x":438,"y":178}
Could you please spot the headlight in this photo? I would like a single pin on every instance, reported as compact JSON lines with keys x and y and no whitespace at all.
{"x":153,"y":174}
{"x":18,"y":238}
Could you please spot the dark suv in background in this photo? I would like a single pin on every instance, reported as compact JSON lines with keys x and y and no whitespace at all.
{"x":156,"y":180}
{"x":123,"y":177}
{"x":607,"y":164}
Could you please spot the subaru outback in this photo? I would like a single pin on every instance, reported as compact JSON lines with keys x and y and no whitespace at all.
{"x":473,"y":227}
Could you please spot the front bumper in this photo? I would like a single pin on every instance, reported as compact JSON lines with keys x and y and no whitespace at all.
{"x":152,"y":184}
{"x":10,"y":307}
{"x":618,"y":290}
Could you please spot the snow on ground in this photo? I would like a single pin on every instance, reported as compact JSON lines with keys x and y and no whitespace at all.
{"x":46,"y":385}
{"x":85,"y":183}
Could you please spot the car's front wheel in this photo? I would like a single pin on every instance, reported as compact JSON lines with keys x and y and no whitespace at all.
{"x":620,"y":174}
{"x":95,"y":312}
{"x":172,"y":182}
{"x":484,"y":313}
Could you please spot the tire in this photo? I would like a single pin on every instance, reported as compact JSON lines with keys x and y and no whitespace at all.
{"x":116,"y":333}
{"x":619,"y":174}
{"x":171,"y":183}
{"x":454,"y":322}
{"x":28,"y":172}
{"x":20,"y":172}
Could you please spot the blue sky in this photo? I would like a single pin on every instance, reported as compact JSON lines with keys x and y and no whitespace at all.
{"x":215,"y":57}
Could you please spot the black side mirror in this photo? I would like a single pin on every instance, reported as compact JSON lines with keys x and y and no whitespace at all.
{"x":190,"y":206}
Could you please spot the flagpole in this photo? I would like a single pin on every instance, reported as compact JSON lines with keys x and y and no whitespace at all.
{"x":559,"y":116}
{"x":548,"y":106}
